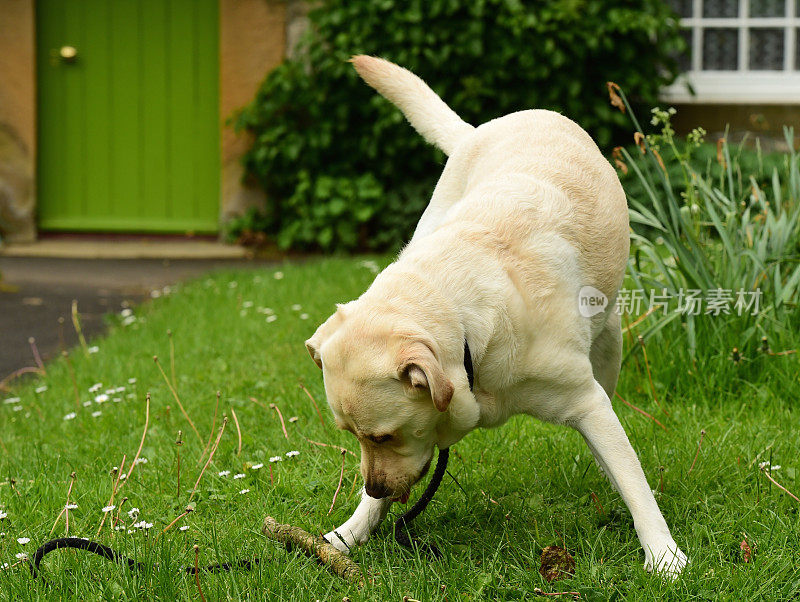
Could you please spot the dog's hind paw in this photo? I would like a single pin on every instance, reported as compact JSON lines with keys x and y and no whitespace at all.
{"x":667,"y":560}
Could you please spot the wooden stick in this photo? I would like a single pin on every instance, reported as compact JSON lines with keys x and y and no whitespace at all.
{"x":334,"y":560}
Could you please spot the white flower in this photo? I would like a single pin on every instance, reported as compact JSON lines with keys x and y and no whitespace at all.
{"x":184,"y":528}
{"x":118,"y":390}
{"x":93,"y":349}
{"x":129,"y":320}
{"x":155,"y":294}
{"x":70,"y":416}
{"x":23,"y":540}
{"x":17,"y":408}
{"x":304,"y":316}
{"x":141,"y":461}
{"x":257,"y":466}
{"x":278,"y":275}
{"x":272,"y":318}
{"x":97,"y":414}
{"x":5,"y":566}
{"x":131,"y":381}
{"x":108,"y":508}
{"x":142,"y":525}
{"x":223,"y":473}
{"x":116,"y":399}
{"x":41,"y":389}
{"x":102,"y":398}
{"x":247,"y":304}
{"x":292,"y":454}
{"x":297,"y":307}
{"x":293,"y":419}
{"x":276,"y":459}
{"x":95,"y":387}
{"x":21,"y":556}
{"x":768,"y":466}
{"x":233,"y":284}
{"x":241,"y":475}
{"x":243,"y":313}
{"x":71,"y":507}
{"x":243,"y":491}
{"x":86,"y":404}
{"x":123,"y":476}
{"x":3,"y":515}
{"x":11,"y":400}
{"x":126,"y":312}
{"x":133,"y":513}
{"x":265,"y":310}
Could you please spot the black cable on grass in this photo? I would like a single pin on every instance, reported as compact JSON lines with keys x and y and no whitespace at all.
{"x":79,"y":543}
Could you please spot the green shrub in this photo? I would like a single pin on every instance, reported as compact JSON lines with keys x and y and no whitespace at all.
{"x":341,"y":167}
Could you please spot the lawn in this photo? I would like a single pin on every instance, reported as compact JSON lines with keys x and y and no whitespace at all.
{"x":514,"y":490}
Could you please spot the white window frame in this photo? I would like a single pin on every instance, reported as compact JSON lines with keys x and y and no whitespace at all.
{"x":743,"y":85}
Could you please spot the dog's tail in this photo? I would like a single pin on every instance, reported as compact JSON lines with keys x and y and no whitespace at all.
{"x":428,"y":113}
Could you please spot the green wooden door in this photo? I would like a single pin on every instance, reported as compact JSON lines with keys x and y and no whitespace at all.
{"x":128,"y":136}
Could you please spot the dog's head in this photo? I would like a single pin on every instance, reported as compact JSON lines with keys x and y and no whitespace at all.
{"x":386,"y":385}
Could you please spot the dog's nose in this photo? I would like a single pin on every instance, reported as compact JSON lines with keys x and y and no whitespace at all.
{"x":377,"y":490}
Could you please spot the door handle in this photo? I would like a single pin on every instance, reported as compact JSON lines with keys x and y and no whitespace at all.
{"x":68,"y":54}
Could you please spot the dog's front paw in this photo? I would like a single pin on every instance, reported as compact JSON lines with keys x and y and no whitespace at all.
{"x":341,"y":539}
{"x":666,"y":559}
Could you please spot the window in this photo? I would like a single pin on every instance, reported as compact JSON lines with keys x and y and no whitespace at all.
{"x":740,"y":51}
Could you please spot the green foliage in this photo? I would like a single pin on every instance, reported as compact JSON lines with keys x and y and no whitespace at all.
{"x":728,"y":228}
{"x":341,"y":167}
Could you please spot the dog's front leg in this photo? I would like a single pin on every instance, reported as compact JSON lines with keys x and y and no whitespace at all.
{"x":357,"y":529}
{"x":606,"y":438}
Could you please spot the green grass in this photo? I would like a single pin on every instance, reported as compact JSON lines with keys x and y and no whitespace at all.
{"x":521,"y":487}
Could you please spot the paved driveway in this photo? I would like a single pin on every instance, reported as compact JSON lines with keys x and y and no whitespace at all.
{"x":36,"y":291}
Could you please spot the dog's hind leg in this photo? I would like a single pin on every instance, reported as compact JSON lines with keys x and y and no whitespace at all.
{"x":606,"y":354}
{"x":357,"y":529}
{"x":606,"y":438}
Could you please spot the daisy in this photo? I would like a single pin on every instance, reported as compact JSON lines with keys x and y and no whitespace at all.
{"x":278,"y":275}
{"x":142,"y":525}
{"x":293,"y":419}
{"x":241,"y":475}
{"x":297,"y":307}
{"x":23,"y":540}
{"x":126,"y":312}
{"x":133,"y":513}
{"x":70,"y":416}
{"x":276,"y":459}
{"x":86,"y":404}
{"x":247,"y":304}
{"x":272,"y":318}
{"x":93,"y":349}
{"x":223,"y":473}
{"x":102,"y":398}
{"x":141,"y":461}
{"x":292,"y":454}
{"x":243,"y":491}
{"x":184,"y":528}
{"x":41,"y":389}
{"x":71,"y":507}
{"x":95,"y":387}
{"x":11,"y":400}
{"x":131,"y":381}
{"x":3,"y":515}
{"x":108,"y":508}
{"x":21,"y":556}
{"x":97,"y":414}
{"x":257,"y":466}
{"x":304,"y":316}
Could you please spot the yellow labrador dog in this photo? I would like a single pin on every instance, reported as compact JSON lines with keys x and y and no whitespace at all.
{"x":526,"y":215}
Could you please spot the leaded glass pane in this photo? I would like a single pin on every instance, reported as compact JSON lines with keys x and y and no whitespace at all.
{"x":682,"y":7}
{"x":720,"y":8}
{"x":766,"y":49}
{"x":720,"y":49}
{"x":767,"y":8}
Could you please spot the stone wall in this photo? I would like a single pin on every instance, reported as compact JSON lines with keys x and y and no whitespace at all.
{"x":17,"y":121}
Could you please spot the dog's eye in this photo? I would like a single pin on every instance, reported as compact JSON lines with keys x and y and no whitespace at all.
{"x":381,"y":438}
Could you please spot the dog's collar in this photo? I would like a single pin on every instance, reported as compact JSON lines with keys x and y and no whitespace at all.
{"x":468,"y":365}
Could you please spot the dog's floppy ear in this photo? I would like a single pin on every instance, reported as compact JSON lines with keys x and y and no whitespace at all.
{"x":325,"y":330}
{"x":419,"y":367}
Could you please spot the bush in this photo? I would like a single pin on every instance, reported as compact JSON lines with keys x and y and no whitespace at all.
{"x":343,"y":170}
